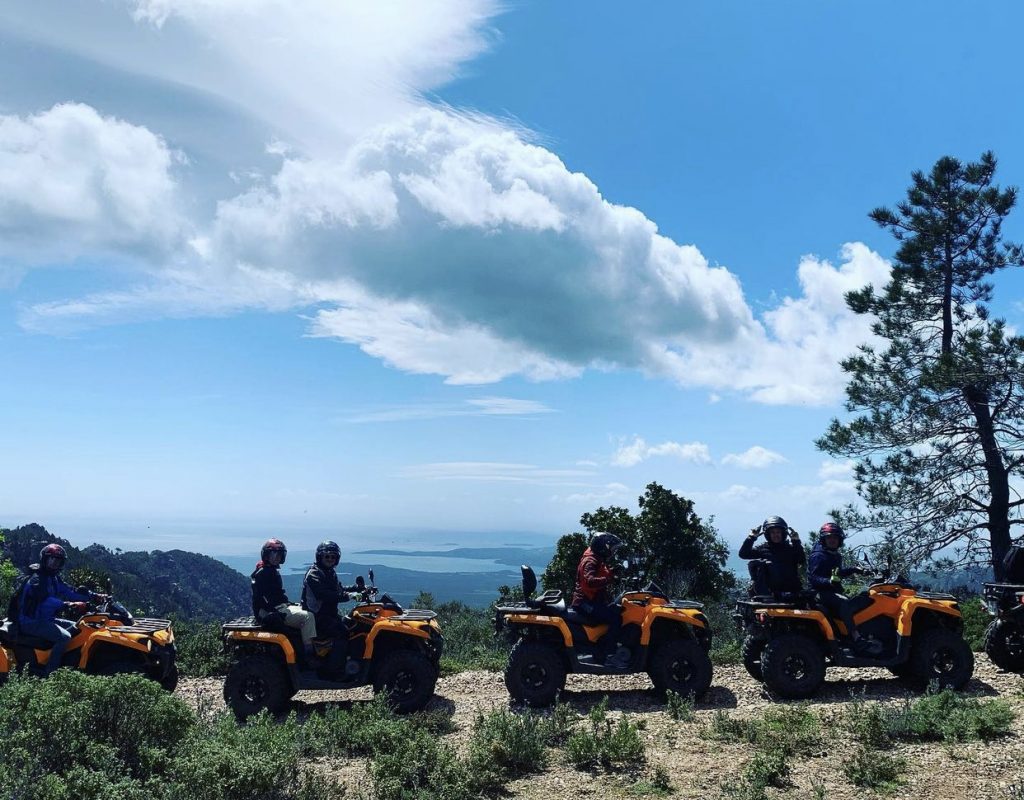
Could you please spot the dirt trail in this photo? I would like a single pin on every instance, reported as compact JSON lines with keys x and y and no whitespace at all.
{"x":974,"y":771}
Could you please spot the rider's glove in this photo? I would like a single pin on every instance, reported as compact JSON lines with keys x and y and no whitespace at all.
{"x":837,"y":584}
{"x":755,"y":532}
{"x":97,"y":597}
{"x":794,"y":537}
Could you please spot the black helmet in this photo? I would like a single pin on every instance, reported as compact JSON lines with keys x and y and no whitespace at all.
{"x":774,"y":522}
{"x":274,"y":546}
{"x":53,"y":551}
{"x":605,"y":544}
{"x":831,"y":529}
{"x":327,"y":548}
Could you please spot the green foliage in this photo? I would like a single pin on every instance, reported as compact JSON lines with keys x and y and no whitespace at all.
{"x":937,"y":411}
{"x":728,"y":639}
{"x":613,"y":747}
{"x":200,"y":649}
{"x":672,"y":544}
{"x":561,"y":570}
{"x":8,"y":574}
{"x":873,"y":769}
{"x":469,"y":639}
{"x":976,"y":620}
{"x":789,"y":729}
{"x":657,"y":784}
{"x":768,"y":767}
{"x":504,"y":746}
{"x":420,"y":767}
{"x":944,"y":716}
{"x":679,"y":708}
{"x":160,"y":583}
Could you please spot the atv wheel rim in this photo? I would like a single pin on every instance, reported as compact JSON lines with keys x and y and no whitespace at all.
{"x":1014,"y":643}
{"x":254,"y":689}
{"x":681,"y":671}
{"x":943,"y":661}
{"x":404,"y":685}
{"x":795,"y":668}
{"x":535,"y":676}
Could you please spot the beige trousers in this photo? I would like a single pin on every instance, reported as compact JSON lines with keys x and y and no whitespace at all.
{"x":295,"y":617}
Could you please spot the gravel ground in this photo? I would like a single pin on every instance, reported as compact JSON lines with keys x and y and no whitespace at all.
{"x":696,"y":766}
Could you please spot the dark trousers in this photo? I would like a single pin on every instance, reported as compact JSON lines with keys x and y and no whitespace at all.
{"x":334,"y":627}
{"x":838,"y":605}
{"x":609,"y":614}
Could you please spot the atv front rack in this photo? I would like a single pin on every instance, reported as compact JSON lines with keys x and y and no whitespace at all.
{"x":145,"y":625}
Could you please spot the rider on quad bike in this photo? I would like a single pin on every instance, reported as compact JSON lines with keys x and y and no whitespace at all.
{"x":269,"y":601}
{"x":591,"y":599}
{"x":396,"y":650}
{"x":825,"y":574}
{"x":667,"y":639}
{"x":321,"y":593}
{"x":1004,"y":637}
{"x":43,"y":596}
{"x":775,"y":564}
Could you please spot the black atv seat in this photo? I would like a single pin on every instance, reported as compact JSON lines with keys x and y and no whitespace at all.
{"x":10,"y":637}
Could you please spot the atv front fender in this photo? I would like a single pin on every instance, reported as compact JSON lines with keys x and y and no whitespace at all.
{"x":913,"y":607}
{"x":393,"y":627}
{"x":530,"y":620}
{"x":677,"y":616}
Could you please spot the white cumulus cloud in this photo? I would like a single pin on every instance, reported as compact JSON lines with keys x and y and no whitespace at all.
{"x":632,"y":453}
{"x":756,"y":457}
{"x":72,"y":180}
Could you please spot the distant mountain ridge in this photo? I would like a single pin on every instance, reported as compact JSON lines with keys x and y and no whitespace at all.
{"x":158,"y":583}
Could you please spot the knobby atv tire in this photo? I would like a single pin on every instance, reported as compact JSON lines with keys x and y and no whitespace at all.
{"x":681,"y":665}
{"x":408,"y":677}
{"x":943,"y":656}
{"x":793,"y":666}
{"x":255,"y":683}
{"x":751,"y":653}
{"x":535,"y":673}
{"x":1004,"y":645}
{"x":170,"y":680}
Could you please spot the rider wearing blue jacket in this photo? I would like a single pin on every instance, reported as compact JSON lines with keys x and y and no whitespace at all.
{"x":825,"y":571}
{"x":42,"y":597}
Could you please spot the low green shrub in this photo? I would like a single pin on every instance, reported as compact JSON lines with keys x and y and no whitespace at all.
{"x":469,"y":639}
{"x":507,"y":744}
{"x":944,"y":716}
{"x":873,"y":769}
{"x":976,"y":620}
{"x":768,"y":768}
{"x":614,"y":747}
{"x":200,"y":650}
{"x":791,"y":729}
{"x":420,"y":767}
{"x":679,"y":708}
{"x":727,"y":639}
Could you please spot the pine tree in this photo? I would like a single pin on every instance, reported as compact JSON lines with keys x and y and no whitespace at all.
{"x":937,"y":430}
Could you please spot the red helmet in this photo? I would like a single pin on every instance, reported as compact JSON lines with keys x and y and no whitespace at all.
{"x":53,"y":551}
{"x":274,"y":546}
{"x":831,"y":529}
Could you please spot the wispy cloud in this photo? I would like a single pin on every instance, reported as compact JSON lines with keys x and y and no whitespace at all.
{"x":609,"y":493}
{"x":837,"y":470}
{"x":632,"y":453}
{"x":475,"y":407}
{"x":496,"y":471}
{"x":756,"y":457}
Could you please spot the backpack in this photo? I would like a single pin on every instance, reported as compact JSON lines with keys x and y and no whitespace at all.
{"x":14,"y":604}
{"x":1013,"y":565}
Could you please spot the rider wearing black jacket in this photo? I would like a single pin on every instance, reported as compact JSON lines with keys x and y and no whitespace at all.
{"x":783,"y":559}
{"x":321,"y":594}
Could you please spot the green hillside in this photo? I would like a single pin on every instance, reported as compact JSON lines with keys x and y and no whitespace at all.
{"x":157,"y":583}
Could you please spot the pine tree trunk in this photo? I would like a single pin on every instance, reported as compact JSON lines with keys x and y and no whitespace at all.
{"x":998,"y":479}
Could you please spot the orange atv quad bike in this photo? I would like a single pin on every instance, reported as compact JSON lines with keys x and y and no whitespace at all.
{"x":396,"y":650}
{"x":667,"y":639}
{"x":108,"y":641}
{"x":790,"y":642}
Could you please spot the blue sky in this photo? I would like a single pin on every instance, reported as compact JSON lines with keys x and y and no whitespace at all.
{"x":420,"y":275}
